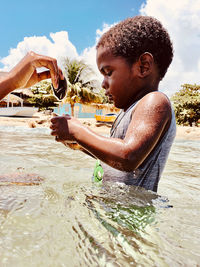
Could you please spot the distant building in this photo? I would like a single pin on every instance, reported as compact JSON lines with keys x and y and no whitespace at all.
{"x":85,"y":111}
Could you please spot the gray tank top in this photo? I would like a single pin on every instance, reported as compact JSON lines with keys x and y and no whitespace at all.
{"x":148,"y":173}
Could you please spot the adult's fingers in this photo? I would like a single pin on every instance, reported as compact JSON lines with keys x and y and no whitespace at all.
{"x":55,"y":80}
{"x":61,"y":74}
{"x":43,"y":75}
{"x":47,"y":75}
{"x":33,"y":79}
{"x":49,"y":63}
{"x":37,"y":77}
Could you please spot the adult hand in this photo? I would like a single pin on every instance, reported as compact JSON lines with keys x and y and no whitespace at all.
{"x":25,"y":74}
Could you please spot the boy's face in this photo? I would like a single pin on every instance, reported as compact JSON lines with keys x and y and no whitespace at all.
{"x":120,"y":79}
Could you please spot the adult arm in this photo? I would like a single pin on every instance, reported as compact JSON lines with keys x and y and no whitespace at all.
{"x":150,"y":120}
{"x":25,"y":74}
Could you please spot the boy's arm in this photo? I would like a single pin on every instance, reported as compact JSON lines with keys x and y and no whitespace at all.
{"x":76,"y":146}
{"x":150,"y":120}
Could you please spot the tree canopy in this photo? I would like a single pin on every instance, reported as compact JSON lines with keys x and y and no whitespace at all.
{"x":43,"y":95}
{"x":186,"y":104}
{"x":82,"y":85}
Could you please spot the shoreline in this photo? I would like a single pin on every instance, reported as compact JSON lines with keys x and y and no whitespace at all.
{"x":42,"y":120}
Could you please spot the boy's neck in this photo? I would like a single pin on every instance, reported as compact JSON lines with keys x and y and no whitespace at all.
{"x":140,"y":96}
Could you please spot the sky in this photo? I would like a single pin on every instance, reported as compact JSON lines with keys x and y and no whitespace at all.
{"x":65,"y":28}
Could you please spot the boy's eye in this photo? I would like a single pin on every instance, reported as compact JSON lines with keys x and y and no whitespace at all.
{"x":109,"y":73}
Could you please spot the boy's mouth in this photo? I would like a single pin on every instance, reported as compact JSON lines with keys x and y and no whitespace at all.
{"x":110,"y":97}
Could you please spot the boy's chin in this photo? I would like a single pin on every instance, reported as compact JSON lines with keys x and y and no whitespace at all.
{"x":118,"y":105}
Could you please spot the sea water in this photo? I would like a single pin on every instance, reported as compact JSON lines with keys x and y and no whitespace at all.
{"x":65,"y":220}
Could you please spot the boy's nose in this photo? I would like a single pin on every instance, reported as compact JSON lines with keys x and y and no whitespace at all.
{"x":104,"y":84}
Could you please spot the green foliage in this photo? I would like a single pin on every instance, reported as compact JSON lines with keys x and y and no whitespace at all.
{"x":186,"y":104}
{"x":82,"y":87}
{"x":43,"y":96}
{"x":105,"y":99}
{"x":74,"y":70}
{"x":43,"y":101}
{"x":76,"y":93}
{"x":43,"y":87}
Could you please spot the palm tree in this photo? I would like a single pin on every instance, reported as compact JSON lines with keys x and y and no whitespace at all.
{"x":82,"y":88}
{"x":43,"y":95}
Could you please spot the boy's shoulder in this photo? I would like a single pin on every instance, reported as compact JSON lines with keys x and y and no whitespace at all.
{"x":153,"y":105}
{"x":154,"y":99}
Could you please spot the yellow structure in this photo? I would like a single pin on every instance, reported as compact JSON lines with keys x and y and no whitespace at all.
{"x":106,"y":118}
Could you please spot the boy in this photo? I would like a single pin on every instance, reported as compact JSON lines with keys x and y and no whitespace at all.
{"x":133,"y":57}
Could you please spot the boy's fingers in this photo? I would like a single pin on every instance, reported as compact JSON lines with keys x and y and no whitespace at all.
{"x":57,"y":139}
{"x":53,"y":115}
{"x":54,"y":132}
{"x":54,"y":119}
{"x":53,"y":126}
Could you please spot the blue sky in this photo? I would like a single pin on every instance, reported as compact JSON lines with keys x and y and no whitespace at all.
{"x":71,"y":29}
{"x":79,"y":18}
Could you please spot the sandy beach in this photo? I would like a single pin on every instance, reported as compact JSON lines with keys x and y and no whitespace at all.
{"x":42,"y":120}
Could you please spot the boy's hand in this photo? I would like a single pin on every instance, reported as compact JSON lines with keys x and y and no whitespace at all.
{"x":72,"y":145}
{"x":64,"y":128}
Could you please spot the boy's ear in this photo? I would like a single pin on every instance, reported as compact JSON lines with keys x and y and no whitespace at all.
{"x":145,"y":62}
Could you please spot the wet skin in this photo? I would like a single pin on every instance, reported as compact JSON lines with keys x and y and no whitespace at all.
{"x":120,"y":79}
{"x":150,"y":119}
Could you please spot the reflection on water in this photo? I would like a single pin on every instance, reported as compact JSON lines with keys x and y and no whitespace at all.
{"x":65,"y":220}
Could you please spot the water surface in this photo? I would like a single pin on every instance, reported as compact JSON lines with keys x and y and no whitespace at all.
{"x":65,"y":220}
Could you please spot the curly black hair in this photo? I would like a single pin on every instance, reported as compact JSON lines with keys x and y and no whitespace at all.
{"x":134,"y":36}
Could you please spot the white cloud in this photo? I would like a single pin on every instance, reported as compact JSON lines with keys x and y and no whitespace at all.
{"x":181,"y":18}
{"x":58,"y":46}
{"x":99,"y":32}
{"x":89,"y":54}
